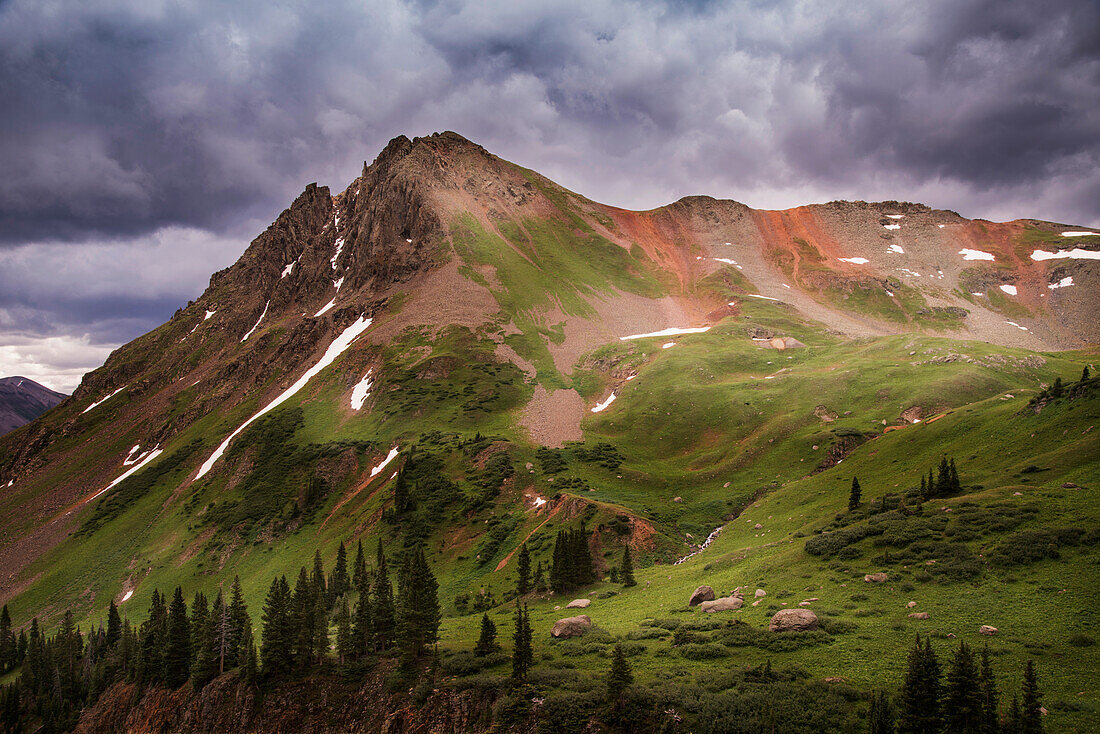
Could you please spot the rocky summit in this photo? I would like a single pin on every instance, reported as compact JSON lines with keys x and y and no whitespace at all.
{"x":455,"y":396}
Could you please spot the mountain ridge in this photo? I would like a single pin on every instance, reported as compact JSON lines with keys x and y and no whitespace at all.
{"x":22,"y":400}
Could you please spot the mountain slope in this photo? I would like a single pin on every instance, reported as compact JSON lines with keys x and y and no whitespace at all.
{"x":462,"y":319}
{"x":22,"y":400}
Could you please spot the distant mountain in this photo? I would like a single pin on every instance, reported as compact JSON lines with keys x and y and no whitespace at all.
{"x":22,"y":400}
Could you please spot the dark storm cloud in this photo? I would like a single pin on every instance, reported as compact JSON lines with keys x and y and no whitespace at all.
{"x":140,"y":127}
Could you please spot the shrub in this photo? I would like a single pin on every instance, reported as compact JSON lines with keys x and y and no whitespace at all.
{"x":1081,"y":640}
{"x":703,"y":651}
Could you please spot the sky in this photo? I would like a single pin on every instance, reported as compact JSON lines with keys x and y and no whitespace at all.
{"x":144,"y":143}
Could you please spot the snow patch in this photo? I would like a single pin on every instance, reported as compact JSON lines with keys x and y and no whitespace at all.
{"x":1066,"y":281}
{"x":389,"y":457}
{"x":126,"y":596}
{"x":208,"y":315}
{"x":889,"y":294}
{"x":668,"y":345}
{"x":785,"y":285}
{"x":941,"y":226}
{"x":671,"y":331}
{"x":602,"y":406}
{"x":338,"y":346}
{"x":897,"y":249}
{"x":907,"y":271}
{"x":361,"y":392}
{"x":894,"y":216}
{"x":97,"y":403}
{"x":339,"y":249}
{"x":326,"y":308}
{"x":1075,"y":254}
{"x":757,"y":295}
{"x":856,"y":260}
{"x":969,"y":254}
{"x":130,"y":456}
{"x":539,"y":502}
{"x":11,"y":482}
{"x":1021,"y":328}
{"x":1080,"y":233}
{"x":725,"y":260}
{"x":891,"y":226}
{"x":133,"y":470}
{"x":257,"y":324}
{"x":338,"y":283}
{"x":409,"y":240}
{"x":1009,"y":289}
{"x":288,"y":269}
{"x":631,"y":378}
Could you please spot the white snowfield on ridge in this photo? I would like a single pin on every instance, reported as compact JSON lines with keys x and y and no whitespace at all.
{"x":338,"y":346}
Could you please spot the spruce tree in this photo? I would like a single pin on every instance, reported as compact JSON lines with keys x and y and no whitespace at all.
{"x":1057,"y":390}
{"x":923,"y":490}
{"x":359,"y":572}
{"x":419,"y":617}
{"x":855,"y":495}
{"x":202,"y":645}
{"x":319,"y":643}
{"x":361,"y":627}
{"x":560,"y":569}
{"x":402,"y":497}
{"x":1085,"y":374}
{"x":487,"y":641}
{"x":931,"y":486}
{"x":880,"y":718}
{"x":1013,"y":720}
{"x":238,"y":615}
{"x":177,"y":653}
{"x":7,"y":639}
{"x":302,"y":615}
{"x":317,"y":578}
{"x":523,"y":571}
{"x":962,"y":706}
{"x":920,"y":693}
{"x":1031,"y":716}
{"x":246,"y":653}
{"x":987,"y":685}
{"x":523,"y":654}
{"x":345,"y":639}
{"x":114,"y":626}
{"x":538,"y":583}
{"x":383,"y":614}
{"x":943,"y":478}
{"x":620,"y":677}
{"x":221,"y":633}
{"x":340,"y":583}
{"x":626,"y":569}
{"x":275,"y":645}
{"x":953,"y":477}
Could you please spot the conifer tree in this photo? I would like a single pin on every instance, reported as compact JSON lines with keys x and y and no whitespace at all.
{"x":931,"y":485}
{"x":1057,"y":390}
{"x":221,"y":633}
{"x":240,"y":621}
{"x":880,"y":718}
{"x":317,"y":578}
{"x":487,"y":641}
{"x":987,"y":686}
{"x":559,"y":567}
{"x":923,"y":489}
{"x":7,"y":640}
{"x":383,"y":614}
{"x":114,"y":626}
{"x":1031,"y":716}
{"x":855,"y":495}
{"x":202,"y":646}
{"x":319,"y":619}
{"x":402,"y":497}
{"x":246,"y":653}
{"x":345,"y":640}
{"x":418,"y":621}
{"x":539,"y":580}
{"x":523,"y":654}
{"x":1013,"y":719}
{"x":626,"y":569}
{"x":523,"y":571}
{"x":962,"y":706}
{"x":954,"y":477}
{"x":620,"y":677}
{"x":302,"y":606}
{"x":920,"y":693}
{"x":1085,"y":374}
{"x":361,"y":626}
{"x":177,"y":653}
{"x":275,"y":645}
{"x":359,"y":572}
{"x":340,"y":583}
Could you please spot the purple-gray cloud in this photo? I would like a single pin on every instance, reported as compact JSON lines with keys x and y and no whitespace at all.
{"x":149,"y":126}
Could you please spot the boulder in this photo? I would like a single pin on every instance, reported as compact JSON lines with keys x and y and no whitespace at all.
{"x":760,"y":593}
{"x":793,"y":620}
{"x":985,"y":629}
{"x":911,"y":604}
{"x":677,"y":499}
{"x":919,"y":615}
{"x":757,"y":526}
{"x":571,"y":626}
{"x":578,"y":604}
{"x":876,"y":578}
{"x":700,"y":595}
{"x":725,"y":604}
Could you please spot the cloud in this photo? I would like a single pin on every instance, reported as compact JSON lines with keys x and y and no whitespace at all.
{"x":134,"y":129}
{"x":57,"y":362}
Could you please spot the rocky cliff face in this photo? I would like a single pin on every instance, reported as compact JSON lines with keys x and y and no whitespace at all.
{"x":313,"y":705}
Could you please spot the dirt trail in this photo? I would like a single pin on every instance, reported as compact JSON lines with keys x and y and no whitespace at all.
{"x":552,"y":513}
